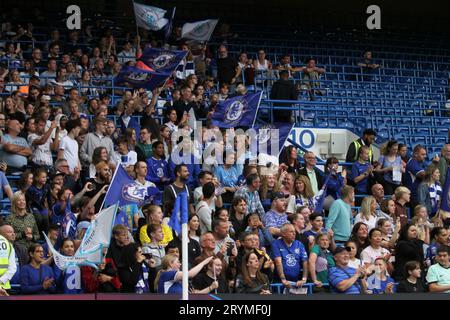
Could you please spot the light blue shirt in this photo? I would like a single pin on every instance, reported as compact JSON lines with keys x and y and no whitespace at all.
{"x":340,"y":220}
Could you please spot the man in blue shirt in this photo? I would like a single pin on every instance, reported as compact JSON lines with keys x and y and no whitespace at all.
{"x":158,"y":168}
{"x":345,"y":279}
{"x":290,"y":258}
{"x":361,"y":170}
{"x":415,"y":170}
{"x":276,"y":216}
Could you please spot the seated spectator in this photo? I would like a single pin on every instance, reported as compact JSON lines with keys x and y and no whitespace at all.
{"x":352,"y":249}
{"x":144,"y":147}
{"x":290,"y":258}
{"x":36,"y":277}
{"x":14,"y":149}
{"x":320,"y":260}
{"x":23,"y":222}
{"x":374,"y":251}
{"x":5,"y":187}
{"x":311,"y":76}
{"x":345,"y":279}
{"x":210,"y":280}
{"x":367,"y":64}
{"x":251,"y":279}
{"x":439,"y":236}
{"x":276,"y":217}
{"x":269,"y":185}
{"x":388,"y":236}
{"x":339,"y":218}
{"x":304,"y":195}
{"x":68,"y":281}
{"x":380,"y":282}
{"x":408,"y":248}
{"x":367,"y":212}
{"x":250,"y":193}
{"x":359,"y":234}
{"x":438,"y":275}
{"x":362,"y":171}
{"x":429,"y":192}
{"x":254,"y":225}
{"x":412,"y":282}
{"x":168,"y":280}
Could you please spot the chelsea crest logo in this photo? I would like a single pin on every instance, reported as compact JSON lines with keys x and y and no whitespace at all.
{"x":235,"y":112}
{"x":163,"y":60}
{"x":264,"y":134}
{"x":133,"y":192}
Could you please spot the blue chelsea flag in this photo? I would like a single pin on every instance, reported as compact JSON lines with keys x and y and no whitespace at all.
{"x":127,"y":191}
{"x":238,"y":111}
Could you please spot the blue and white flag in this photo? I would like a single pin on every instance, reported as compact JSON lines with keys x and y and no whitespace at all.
{"x":445,"y":202}
{"x":162,"y":61}
{"x":239,"y":111}
{"x":321,"y":195}
{"x":168,"y":28}
{"x":69,"y":223}
{"x":140,"y":78}
{"x":149,"y":17}
{"x":272,"y":137}
{"x":125,"y":190}
{"x":179,"y":214}
{"x":94,"y":243}
{"x":200,"y":30}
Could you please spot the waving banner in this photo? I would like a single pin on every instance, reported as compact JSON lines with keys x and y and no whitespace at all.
{"x":149,"y":18}
{"x":200,"y":30}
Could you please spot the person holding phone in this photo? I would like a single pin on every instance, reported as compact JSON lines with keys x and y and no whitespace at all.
{"x":154,"y":250}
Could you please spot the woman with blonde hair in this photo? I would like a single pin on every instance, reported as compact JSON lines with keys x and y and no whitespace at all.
{"x":168,"y":279}
{"x":367,"y":212}
{"x":429,"y":192}
{"x":421,"y":221}
{"x":23,"y":222}
{"x":269,"y":185}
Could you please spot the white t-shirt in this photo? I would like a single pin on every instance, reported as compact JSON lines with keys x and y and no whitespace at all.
{"x":354,"y":264}
{"x":369,"y":254}
{"x":204,"y":213}
{"x":42,"y":154}
{"x":129,"y":159}
{"x":70,"y":147}
{"x":371,"y":223}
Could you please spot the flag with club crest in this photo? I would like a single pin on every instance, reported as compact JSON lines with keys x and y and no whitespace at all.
{"x":200,"y":30}
{"x":149,"y":17}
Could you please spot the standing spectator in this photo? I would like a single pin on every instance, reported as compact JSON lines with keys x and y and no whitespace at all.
{"x":168,"y":280}
{"x":220,"y":233}
{"x":367,"y":212}
{"x":340,"y":216}
{"x":68,"y":147}
{"x":42,"y":144}
{"x":310,"y":170}
{"x":412,"y":282}
{"x":24,"y":223}
{"x":127,"y":120}
{"x":444,"y":162}
{"x":120,"y":239}
{"x":203,"y":208}
{"x":283,"y":89}
{"x":14,"y":149}
{"x":203,"y":178}
{"x":228,"y":175}
{"x":38,"y":198}
{"x":155,"y":216}
{"x":438,"y":275}
{"x":227,"y":67}
{"x":250,"y":193}
{"x":408,"y":248}
{"x":5,"y":187}
{"x":290,"y":258}
{"x":94,"y":140}
{"x":135,"y":273}
{"x":50,"y":73}
{"x":361,"y":172}
{"x":263,"y":68}
{"x":336,"y":180}
{"x":155,"y":233}
{"x":390,"y":165}
{"x":251,"y":279}
{"x":127,"y":54}
{"x":8,"y":266}
{"x":179,"y":185}
{"x":20,"y":251}
{"x":158,"y":167}
{"x":36,"y":277}
{"x":402,"y":197}
{"x":367,"y":139}
{"x":415,"y":171}
{"x":345,"y":279}
{"x":68,"y":281}
{"x":144,"y":147}
{"x":429,"y":192}
{"x":289,"y":160}
{"x":99,"y":184}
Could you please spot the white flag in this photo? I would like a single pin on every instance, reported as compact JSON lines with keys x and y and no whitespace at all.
{"x":200,"y":30}
{"x":96,"y":238}
{"x":149,"y":17}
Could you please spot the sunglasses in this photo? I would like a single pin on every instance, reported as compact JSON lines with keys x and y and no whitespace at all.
{"x":349,"y":248}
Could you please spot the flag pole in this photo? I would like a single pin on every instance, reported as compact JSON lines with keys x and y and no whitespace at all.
{"x":184,"y":244}
{"x":137,"y":27}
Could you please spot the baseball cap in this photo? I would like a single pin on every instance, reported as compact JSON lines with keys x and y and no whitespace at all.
{"x":58,"y":173}
{"x":278,"y":195}
{"x":339,"y":250}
